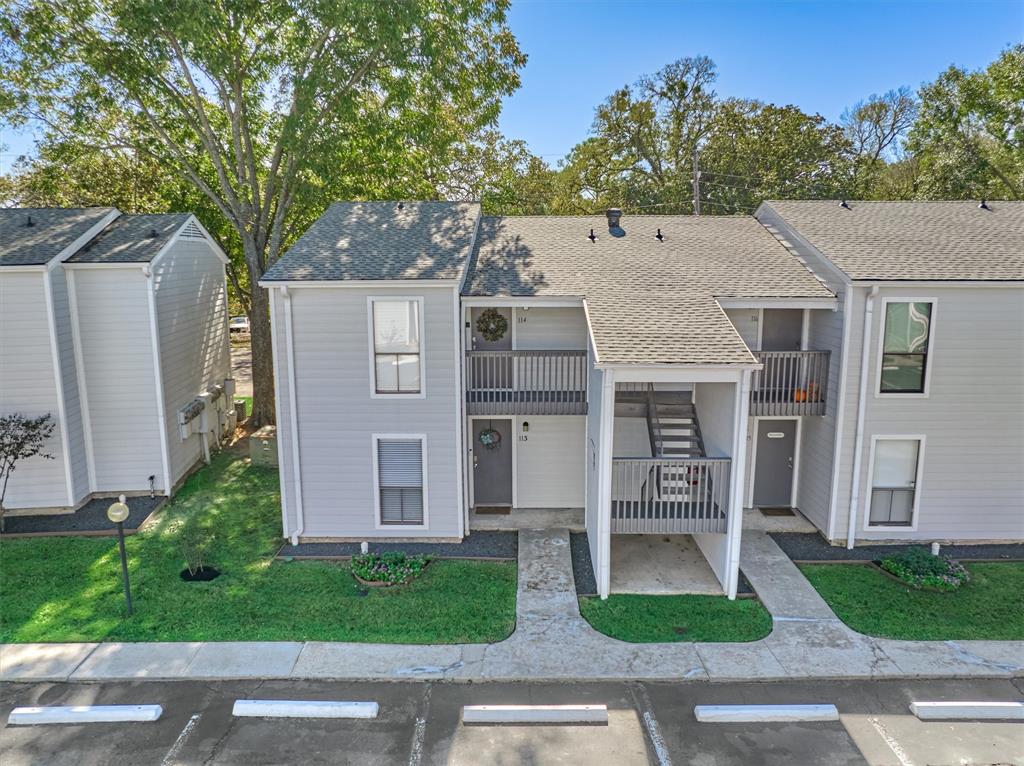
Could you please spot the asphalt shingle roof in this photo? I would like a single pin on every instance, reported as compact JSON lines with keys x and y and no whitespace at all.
{"x":914,"y":240}
{"x":382,"y":240}
{"x":51,"y":232}
{"x":131,"y":239}
{"x":648,"y":301}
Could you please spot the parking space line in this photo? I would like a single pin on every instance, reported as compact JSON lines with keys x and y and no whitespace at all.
{"x":764,"y":713}
{"x":179,"y":743}
{"x":894,"y":745}
{"x":419,"y":732}
{"x":643,"y":703}
{"x":541,"y":714}
{"x":304,"y":709}
{"x":968,"y":711}
{"x":30,"y":716}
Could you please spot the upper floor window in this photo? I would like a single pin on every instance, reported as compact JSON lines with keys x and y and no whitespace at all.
{"x":905,"y":340}
{"x":397,"y":367}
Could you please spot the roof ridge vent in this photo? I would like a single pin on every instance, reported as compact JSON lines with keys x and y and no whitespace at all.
{"x":984,"y":205}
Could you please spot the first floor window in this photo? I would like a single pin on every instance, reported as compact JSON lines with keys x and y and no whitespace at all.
{"x":894,"y":482}
{"x":905,"y":347}
{"x":400,"y":480}
{"x":396,"y":346}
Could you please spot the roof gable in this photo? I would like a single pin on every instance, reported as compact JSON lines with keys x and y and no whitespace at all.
{"x":131,"y":239}
{"x":35,"y":236}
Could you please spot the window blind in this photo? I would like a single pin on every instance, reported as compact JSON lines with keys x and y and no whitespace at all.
{"x":400,"y":470}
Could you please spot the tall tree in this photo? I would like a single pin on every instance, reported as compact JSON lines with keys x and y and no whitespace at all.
{"x":266,"y":107}
{"x":969,"y":133}
{"x":876,"y":129}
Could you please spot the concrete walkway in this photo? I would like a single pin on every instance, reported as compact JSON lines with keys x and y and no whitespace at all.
{"x":552,"y":642}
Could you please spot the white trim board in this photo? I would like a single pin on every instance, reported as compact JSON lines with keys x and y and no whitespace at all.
{"x":880,"y":352}
{"x":865,"y":525}
{"x":372,"y":348}
{"x":58,"y":380}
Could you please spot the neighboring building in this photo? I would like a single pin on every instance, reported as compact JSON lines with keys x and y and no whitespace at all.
{"x":431,"y":360}
{"x":923,"y":435}
{"x":115,"y":325}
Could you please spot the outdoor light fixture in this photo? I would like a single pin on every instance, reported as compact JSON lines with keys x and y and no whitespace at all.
{"x":526,"y":427}
{"x":118,"y":512}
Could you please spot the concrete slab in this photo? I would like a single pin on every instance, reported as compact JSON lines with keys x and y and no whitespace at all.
{"x":241,"y":659}
{"x":530,"y":518}
{"x":828,"y":649}
{"x":754,"y":519}
{"x":782,"y":588}
{"x":937,"y":659}
{"x":661,"y":565}
{"x":41,"y":662}
{"x":732,"y":662}
{"x":156,"y":660}
{"x":362,"y":661}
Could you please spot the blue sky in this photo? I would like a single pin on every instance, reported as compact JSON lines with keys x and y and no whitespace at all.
{"x":820,"y":55}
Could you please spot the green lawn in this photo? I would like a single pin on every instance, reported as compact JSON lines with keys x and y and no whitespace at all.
{"x":990,"y":606}
{"x":648,"y":619}
{"x":69,"y":589}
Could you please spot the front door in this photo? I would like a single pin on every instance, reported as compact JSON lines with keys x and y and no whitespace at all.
{"x":492,"y":462}
{"x":773,"y":472}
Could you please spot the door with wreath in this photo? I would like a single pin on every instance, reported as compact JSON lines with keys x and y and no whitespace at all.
{"x":491,"y":328}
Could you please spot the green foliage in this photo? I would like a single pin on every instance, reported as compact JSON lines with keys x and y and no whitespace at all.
{"x":654,"y":619}
{"x":194,"y":543}
{"x":391,"y":568}
{"x":21,"y":438}
{"x":69,"y":589}
{"x":920,"y":569}
{"x":989,"y":607}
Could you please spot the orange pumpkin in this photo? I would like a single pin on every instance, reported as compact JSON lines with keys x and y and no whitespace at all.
{"x":799,"y":395}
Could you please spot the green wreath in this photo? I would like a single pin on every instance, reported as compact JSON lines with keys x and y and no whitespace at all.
{"x":492,"y":325}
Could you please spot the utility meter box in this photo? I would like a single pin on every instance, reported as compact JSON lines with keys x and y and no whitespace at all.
{"x":263,"y":447}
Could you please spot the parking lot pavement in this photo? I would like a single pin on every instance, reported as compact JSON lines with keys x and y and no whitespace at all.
{"x":420,"y":724}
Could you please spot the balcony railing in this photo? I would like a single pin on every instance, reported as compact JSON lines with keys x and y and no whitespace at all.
{"x":791,"y":383}
{"x":664,"y":496}
{"x":526,"y":382}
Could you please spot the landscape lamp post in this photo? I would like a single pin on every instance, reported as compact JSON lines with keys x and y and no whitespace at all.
{"x":117,"y":513}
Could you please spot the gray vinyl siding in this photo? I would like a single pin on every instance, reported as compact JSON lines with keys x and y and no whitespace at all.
{"x":972,"y":485}
{"x":121,"y":392}
{"x":550,"y":463}
{"x":337,"y":415}
{"x":746,"y":323}
{"x":28,"y":385}
{"x":595,"y":384}
{"x":191,"y":304}
{"x":550,"y":329}
{"x":69,"y":380}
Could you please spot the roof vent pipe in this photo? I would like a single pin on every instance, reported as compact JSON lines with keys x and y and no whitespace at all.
{"x":843,"y":204}
{"x":592,"y":237}
{"x":613,"y":214}
{"x":984,"y":206}
{"x":30,"y":222}
{"x":659,"y":236}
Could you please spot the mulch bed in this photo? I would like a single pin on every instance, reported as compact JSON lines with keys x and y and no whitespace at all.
{"x":502,"y":546}
{"x":88,"y":521}
{"x":811,"y":547}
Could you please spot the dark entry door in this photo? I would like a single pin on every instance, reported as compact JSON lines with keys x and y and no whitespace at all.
{"x":773,"y":473}
{"x":492,"y":466}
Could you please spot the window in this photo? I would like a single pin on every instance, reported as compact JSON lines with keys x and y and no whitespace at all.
{"x":894,"y":471}
{"x":399,"y":468}
{"x":396,"y":345}
{"x":905,"y":340}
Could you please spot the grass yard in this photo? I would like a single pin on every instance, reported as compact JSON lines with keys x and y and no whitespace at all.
{"x":652,"y":619}
{"x":990,"y":606}
{"x":69,"y":589}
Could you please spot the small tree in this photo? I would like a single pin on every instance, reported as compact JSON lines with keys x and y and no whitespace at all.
{"x":21,"y":437}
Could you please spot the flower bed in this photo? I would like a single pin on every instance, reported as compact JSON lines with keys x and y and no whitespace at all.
{"x":387,"y":568}
{"x":920,"y":569}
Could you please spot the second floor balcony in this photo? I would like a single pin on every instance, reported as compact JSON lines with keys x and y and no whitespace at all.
{"x":526,"y":382}
{"x":791,"y":383}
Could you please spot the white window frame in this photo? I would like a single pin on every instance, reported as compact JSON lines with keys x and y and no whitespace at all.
{"x":867,"y":525}
{"x":418,"y":300}
{"x":377,"y":524}
{"x":929,"y":362}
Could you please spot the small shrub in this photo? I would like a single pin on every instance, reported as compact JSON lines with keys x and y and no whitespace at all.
{"x":194,"y":543}
{"x":389,"y":568}
{"x":918,"y":568}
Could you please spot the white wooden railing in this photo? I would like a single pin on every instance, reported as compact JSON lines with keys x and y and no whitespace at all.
{"x":666,"y":496}
{"x":791,"y":383}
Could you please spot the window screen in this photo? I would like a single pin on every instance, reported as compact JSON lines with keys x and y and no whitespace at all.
{"x":400,"y":471}
{"x":396,"y":347}
{"x":905,"y":347}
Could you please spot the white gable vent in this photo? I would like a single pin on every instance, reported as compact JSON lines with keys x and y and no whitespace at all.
{"x":192,"y":231}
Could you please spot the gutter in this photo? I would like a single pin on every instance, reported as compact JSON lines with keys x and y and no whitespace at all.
{"x":300,"y":518}
{"x":862,"y":394}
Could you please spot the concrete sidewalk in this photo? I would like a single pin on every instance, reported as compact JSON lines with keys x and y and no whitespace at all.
{"x":552,"y":642}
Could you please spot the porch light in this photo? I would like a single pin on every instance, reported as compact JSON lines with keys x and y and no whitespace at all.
{"x":526,"y":427}
{"x":118,"y":512}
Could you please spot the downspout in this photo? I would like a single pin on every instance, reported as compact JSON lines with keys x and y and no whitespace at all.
{"x":293,"y":417}
{"x":862,"y":395}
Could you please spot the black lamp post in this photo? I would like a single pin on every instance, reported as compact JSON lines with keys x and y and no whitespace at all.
{"x":117,"y":513}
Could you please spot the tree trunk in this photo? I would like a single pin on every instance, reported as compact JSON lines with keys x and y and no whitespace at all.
{"x":262,"y":357}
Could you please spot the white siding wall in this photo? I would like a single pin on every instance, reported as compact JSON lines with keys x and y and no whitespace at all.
{"x":69,"y":379}
{"x":337,"y":415}
{"x":550,"y":329}
{"x":972,"y":486}
{"x":191,"y":303}
{"x":746,"y":322}
{"x":283,"y":403}
{"x":28,"y":386}
{"x":631,"y":438}
{"x":715,"y":404}
{"x":114,"y":332}
{"x":551,"y":463}
{"x":595,"y":381}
